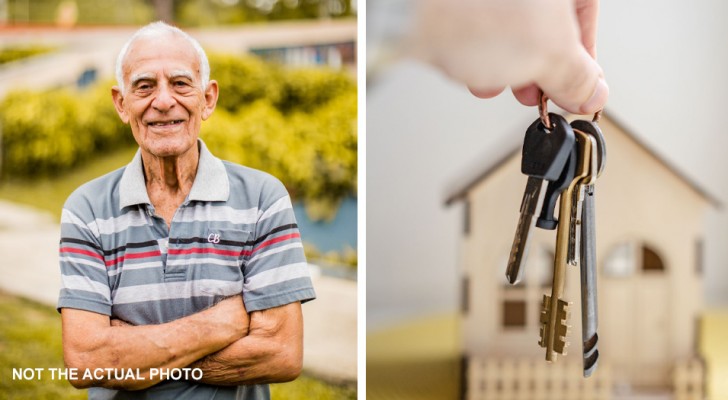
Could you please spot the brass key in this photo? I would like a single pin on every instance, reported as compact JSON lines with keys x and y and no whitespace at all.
{"x":554,"y":314}
{"x":576,"y":204}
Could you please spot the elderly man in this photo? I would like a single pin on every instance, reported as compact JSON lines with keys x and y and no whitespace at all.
{"x":179,"y":261}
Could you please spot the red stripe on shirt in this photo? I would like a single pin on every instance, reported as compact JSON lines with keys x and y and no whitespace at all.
{"x":79,"y":251}
{"x":203,"y":250}
{"x":277,"y":240}
{"x":131,"y":256}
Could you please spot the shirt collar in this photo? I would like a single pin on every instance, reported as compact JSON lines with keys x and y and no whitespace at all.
{"x":211,"y":182}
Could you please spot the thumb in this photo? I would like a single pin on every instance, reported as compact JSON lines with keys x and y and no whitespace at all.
{"x":575,"y":82}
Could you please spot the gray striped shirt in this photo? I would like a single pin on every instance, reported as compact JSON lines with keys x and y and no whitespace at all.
{"x":235,"y":233}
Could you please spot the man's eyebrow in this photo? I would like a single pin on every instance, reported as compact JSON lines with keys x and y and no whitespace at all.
{"x":181,"y":73}
{"x":141,"y":77}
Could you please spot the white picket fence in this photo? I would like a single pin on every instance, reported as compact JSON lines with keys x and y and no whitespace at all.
{"x":534,"y":379}
{"x":519,"y":379}
{"x":689,"y":380}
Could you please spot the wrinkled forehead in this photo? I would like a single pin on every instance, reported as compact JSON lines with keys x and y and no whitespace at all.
{"x":161,"y":53}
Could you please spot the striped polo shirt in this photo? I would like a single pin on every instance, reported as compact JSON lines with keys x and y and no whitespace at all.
{"x":234,"y":233}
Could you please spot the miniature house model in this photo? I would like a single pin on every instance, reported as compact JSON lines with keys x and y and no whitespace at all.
{"x":649,"y":223}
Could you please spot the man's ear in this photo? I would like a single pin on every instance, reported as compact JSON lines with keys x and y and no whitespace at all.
{"x":211,"y":94}
{"x":119,"y":104}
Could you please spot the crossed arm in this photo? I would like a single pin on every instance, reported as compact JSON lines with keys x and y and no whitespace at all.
{"x":230,"y":346}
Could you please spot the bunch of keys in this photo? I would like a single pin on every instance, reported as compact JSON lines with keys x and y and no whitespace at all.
{"x":562,"y":162}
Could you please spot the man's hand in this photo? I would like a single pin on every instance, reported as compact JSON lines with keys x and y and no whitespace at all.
{"x":271,"y":352}
{"x":92,"y":340}
{"x":524,"y":44}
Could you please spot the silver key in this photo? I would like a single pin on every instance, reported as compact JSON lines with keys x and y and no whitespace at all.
{"x":530,"y":205}
{"x":545,"y":152}
{"x":589,"y":320}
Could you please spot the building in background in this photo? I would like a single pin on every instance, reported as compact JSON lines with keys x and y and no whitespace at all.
{"x":649,"y":241}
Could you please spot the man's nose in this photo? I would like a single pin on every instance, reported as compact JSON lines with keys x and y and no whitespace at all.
{"x":164,"y":100}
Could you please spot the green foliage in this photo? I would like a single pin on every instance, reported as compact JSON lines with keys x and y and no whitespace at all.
{"x":297,"y":124}
{"x":226,"y":12}
{"x":306,"y":89}
{"x":245,"y":79}
{"x":49,"y":132}
{"x":88,"y":12}
{"x":10,"y":54}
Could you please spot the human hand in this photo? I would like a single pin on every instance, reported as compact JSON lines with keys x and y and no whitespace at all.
{"x":525,"y":44}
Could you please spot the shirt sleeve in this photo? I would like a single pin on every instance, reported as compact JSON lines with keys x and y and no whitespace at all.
{"x":84,"y":281}
{"x":276,"y":272}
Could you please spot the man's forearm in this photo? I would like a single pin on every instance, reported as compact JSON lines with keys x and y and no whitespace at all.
{"x":172,"y":345}
{"x":271,"y":352}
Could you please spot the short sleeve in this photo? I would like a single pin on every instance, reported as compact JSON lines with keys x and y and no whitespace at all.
{"x":276,"y":272}
{"x":84,"y":281}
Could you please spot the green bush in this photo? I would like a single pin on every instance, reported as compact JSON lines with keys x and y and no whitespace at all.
{"x":243,"y":80}
{"x":297,"y":124}
{"x":45,"y":133}
{"x":306,"y":89}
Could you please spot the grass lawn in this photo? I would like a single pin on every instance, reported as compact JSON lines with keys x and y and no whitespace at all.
{"x":30,"y":337}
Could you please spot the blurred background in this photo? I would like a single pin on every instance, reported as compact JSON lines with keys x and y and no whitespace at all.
{"x":287,"y":76}
{"x":429,"y":140}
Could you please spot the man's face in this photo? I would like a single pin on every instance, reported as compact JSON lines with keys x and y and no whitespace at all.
{"x":164,"y":101}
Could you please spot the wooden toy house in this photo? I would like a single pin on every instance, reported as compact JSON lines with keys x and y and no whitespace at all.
{"x":650,"y":227}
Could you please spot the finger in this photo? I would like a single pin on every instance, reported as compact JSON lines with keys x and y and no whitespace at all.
{"x":575,"y":82}
{"x":486,"y":93}
{"x":587,"y":12}
{"x":527,"y":95}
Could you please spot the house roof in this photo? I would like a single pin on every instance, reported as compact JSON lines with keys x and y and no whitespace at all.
{"x":459,"y":191}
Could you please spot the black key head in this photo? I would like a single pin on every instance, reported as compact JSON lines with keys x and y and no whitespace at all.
{"x":545,"y":151}
{"x":547,"y":220}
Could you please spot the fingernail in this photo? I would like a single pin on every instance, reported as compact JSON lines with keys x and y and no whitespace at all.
{"x":598,"y":99}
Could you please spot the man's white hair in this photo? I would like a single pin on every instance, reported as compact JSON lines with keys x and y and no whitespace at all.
{"x":158,"y":29}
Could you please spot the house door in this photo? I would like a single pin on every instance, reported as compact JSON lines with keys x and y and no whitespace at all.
{"x":638,"y":304}
{"x":652,"y":330}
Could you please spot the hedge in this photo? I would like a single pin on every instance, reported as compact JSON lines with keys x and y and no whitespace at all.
{"x":297,"y":124}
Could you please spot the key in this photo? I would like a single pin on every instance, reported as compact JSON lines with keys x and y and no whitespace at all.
{"x":589,"y":320}
{"x":576,"y":205}
{"x":592,"y":129}
{"x":554,"y":313}
{"x":544,"y":155}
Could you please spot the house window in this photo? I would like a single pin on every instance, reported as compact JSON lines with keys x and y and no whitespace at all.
{"x":650,"y":260}
{"x":619,"y":262}
{"x":514,"y":314}
{"x":627,"y":258}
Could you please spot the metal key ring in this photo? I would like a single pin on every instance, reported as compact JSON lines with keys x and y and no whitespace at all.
{"x":543,"y":111}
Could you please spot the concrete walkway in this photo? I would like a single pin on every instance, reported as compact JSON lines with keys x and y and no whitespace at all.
{"x":29,"y":268}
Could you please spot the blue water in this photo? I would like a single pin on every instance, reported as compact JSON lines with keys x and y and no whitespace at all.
{"x":328,"y":236}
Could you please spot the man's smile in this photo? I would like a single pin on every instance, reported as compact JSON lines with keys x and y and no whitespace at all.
{"x":165,"y":123}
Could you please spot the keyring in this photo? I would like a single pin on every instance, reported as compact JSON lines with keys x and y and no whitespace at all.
{"x":543,"y":111}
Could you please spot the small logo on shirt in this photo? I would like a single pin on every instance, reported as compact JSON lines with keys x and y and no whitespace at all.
{"x":214,"y":238}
